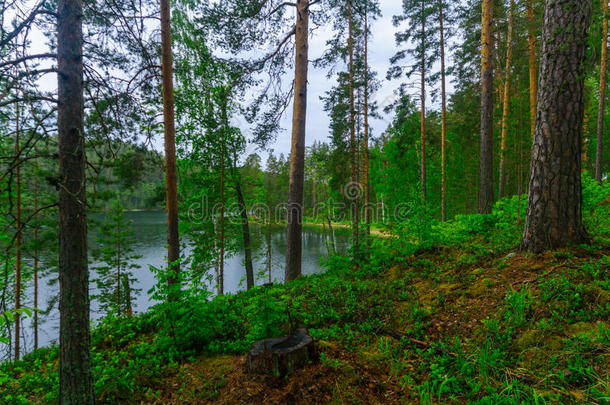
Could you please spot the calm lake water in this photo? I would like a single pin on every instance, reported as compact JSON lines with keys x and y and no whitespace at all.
{"x":150,"y":242}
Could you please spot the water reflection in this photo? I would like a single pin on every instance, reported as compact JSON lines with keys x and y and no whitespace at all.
{"x":150,"y":243}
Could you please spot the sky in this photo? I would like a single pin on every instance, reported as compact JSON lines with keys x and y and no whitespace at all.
{"x":381,"y":49}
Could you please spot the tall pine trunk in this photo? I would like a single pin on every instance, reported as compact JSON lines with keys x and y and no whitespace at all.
{"x":223,"y":140}
{"x":532,"y":65}
{"x":36,"y":261}
{"x":506,"y":101}
{"x":486,"y":193}
{"x":351,"y":192}
{"x":367,"y":185}
{"x":443,"y":117}
{"x":602,"y":93}
{"x":423,"y":104}
{"x":19,"y":236}
{"x":75,"y":378}
{"x":171,"y":178}
{"x":118,"y":262}
{"x":554,"y":217}
{"x":297,"y":153}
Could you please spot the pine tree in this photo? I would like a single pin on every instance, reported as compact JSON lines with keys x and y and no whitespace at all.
{"x":486,"y":193}
{"x":297,"y":153}
{"x":506,"y":101}
{"x":424,"y":33}
{"x":554,"y":211}
{"x":602,"y":93}
{"x":114,"y":255}
{"x":171,"y":180}
{"x":75,"y":377}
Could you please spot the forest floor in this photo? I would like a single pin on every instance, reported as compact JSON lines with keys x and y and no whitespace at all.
{"x":518,"y":328}
{"x":441,"y":313}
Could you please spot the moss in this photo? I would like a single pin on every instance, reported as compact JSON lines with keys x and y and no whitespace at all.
{"x":582,"y":328}
{"x":528,"y":339}
{"x":481,"y":287}
{"x":554,"y":343}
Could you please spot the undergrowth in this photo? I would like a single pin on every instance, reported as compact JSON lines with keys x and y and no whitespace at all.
{"x":545,"y":339}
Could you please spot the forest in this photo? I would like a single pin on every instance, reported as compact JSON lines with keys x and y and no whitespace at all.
{"x":304,"y":202}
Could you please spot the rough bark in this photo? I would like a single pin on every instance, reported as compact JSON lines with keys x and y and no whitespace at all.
{"x":245,"y":228}
{"x":486,"y":193}
{"x":506,"y":101}
{"x":171,"y":178}
{"x":75,"y":378}
{"x":554,"y":217}
{"x":602,"y":93}
{"x":443,"y":117}
{"x":297,"y":154}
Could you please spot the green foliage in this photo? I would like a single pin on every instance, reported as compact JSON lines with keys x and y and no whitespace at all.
{"x":113,"y":257}
{"x":132,"y":356}
{"x":519,"y":304}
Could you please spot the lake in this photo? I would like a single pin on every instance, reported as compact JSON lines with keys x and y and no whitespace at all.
{"x":150,"y":242}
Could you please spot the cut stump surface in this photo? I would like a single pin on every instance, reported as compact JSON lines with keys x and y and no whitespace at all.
{"x":281,"y":356}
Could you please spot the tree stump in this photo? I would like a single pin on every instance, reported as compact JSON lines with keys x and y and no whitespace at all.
{"x":282,"y":356}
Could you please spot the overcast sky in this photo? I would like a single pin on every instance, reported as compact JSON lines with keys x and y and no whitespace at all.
{"x":382,"y":47}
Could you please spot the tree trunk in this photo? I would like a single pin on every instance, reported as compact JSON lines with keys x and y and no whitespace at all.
{"x":352,"y":191}
{"x":223,"y":140}
{"x":602,"y":94}
{"x":532,"y":65}
{"x":171,"y":178}
{"x":118,"y":265}
{"x":245,"y":227}
{"x":297,"y":154}
{"x":554,"y":217}
{"x":268,"y":237}
{"x":216,"y":265}
{"x":506,"y":101}
{"x":486,"y":193}
{"x":331,"y":234}
{"x":75,"y":378}
{"x":367,"y":184}
{"x":443,"y":118}
{"x":19,"y":237}
{"x":585,"y":130}
{"x":127,"y":288}
{"x":423,"y":105}
{"x":35,"y":266}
